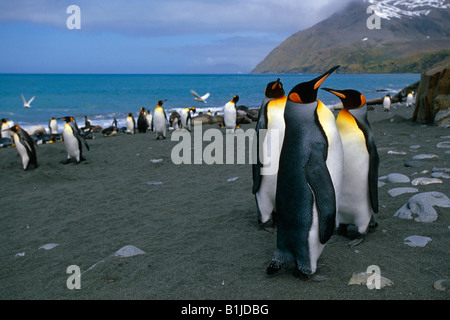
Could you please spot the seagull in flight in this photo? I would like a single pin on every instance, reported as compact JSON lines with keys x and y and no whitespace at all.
{"x":25,"y":103}
{"x":200,"y":98}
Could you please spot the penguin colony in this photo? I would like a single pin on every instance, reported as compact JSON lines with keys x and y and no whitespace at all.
{"x":326,"y":174}
{"x":324,"y":169}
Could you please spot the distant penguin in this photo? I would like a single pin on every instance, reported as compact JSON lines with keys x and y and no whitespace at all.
{"x":175,"y":121}
{"x":186,"y":117}
{"x":410,"y":99}
{"x":269,"y":129}
{"x":309,"y":177}
{"x":53,"y":126}
{"x":387,"y":103}
{"x":149,"y":120}
{"x":73,"y":140}
{"x":131,"y":124}
{"x":142,"y":123}
{"x":160,"y":120}
{"x":4,"y":132}
{"x":230,"y":114}
{"x":25,"y":146}
{"x":359,"y":190}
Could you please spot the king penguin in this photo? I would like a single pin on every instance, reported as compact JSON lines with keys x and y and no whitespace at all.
{"x":309,"y":178}
{"x":53,"y":126}
{"x":160,"y":120}
{"x":186,"y":117}
{"x":230,"y":114}
{"x":270,"y":133}
{"x":359,"y":190}
{"x":73,"y":140}
{"x":410,"y":99}
{"x":149,"y":120}
{"x":131,"y":124}
{"x":4,"y":132}
{"x":387,"y":103}
{"x":142,"y":123}
{"x":25,"y":146}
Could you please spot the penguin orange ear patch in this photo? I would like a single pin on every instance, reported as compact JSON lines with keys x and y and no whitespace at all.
{"x":363,"y":100}
{"x":295,"y":97}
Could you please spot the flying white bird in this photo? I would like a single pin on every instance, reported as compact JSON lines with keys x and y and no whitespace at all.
{"x":200,"y":98}
{"x":25,"y":103}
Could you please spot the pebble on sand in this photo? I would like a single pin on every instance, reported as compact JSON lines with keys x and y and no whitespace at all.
{"x":417,"y":241}
{"x":397,"y":178}
{"x":128,"y":251}
{"x":361,"y":279}
{"x":398,"y":191}
{"x":443,"y":144}
{"x":441,"y":285}
{"x":425,"y":181}
{"x":421,"y":206}
{"x":48,"y":246}
{"x":425,"y":156}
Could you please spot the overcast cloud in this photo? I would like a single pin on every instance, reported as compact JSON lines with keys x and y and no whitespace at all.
{"x":136,"y":36}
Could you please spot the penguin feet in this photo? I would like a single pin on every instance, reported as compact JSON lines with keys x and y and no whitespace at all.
{"x":310,"y":277}
{"x":358,"y":240}
{"x":274,"y":267}
{"x":372,"y":224}
{"x":65,"y":161}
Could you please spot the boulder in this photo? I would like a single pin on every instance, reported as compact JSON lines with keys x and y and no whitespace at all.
{"x":433,"y":95}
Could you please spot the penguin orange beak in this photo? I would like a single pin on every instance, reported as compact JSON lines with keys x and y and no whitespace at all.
{"x":319,"y":80}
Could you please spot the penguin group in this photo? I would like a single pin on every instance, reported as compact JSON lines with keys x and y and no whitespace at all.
{"x":324,"y":172}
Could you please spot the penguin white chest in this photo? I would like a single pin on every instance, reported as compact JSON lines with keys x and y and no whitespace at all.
{"x":159,"y":122}
{"x":130,"y":125}
{"x":71,"y":143}
{"x":229,"y":115}
{"x":22,"y":151}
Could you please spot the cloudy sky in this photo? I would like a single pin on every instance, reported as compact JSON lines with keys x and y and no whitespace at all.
{"x":137,"y":36}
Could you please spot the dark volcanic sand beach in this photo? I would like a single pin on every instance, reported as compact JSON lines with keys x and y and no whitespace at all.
{"x":199,"y":231}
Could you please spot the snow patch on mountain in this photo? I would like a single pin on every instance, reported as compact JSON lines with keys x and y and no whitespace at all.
{"x":387,"y":9}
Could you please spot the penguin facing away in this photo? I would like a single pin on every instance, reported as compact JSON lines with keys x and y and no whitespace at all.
{"x":73,"y":140}
{"x":186,"y":117}
{"x":387,"y":103}
{"x":142,"y":123}
{"x":230,"y":114}
{"x":25,"y":146}
{"x":309,"y":178}
{"x":359,"y":190}
{"x":269,"y":128}
{"x":160,"y":120}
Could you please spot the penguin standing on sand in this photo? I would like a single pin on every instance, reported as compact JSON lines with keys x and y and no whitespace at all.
{"x":359,"y":190}
{"x":53,"y":126}
{"x":230,"y":114}
{"x":175,"y":121}
{"x":142,"y":123}
{"x":73,"y":140}
{"x":186,"y":117}
{"x":269,"y":129}
{"x":387,"y":103}
{"x":160,"y":120}
{"x":410,"y":99}
{"x":25,"y":146}
{"x":131,"y":124}
{"x":309,"y":178}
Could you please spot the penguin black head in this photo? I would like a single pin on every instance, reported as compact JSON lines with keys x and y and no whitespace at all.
{"x":130,"y":114}
{"x":351,"y":99}
{"x":274,"y":89}
{"x":143,"y":109}
{"x":160,"y":102}
{"x":66,"y":119}
{"x":192,"y":109}
{"x":306,"y":92}
{"x":235,"y":98}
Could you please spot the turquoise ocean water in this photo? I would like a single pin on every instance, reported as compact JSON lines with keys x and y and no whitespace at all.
{"x":102,"y":97}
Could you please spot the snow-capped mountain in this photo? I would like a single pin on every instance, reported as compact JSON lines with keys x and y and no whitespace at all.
{"x":411,"y":36}
{"x":388,"y":9}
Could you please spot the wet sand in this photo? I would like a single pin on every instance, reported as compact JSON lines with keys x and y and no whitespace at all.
{"x":198,"y":230}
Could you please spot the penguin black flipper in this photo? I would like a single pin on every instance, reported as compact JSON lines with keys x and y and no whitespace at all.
{"x":29,"y":145}
{"x":77,"y":135}
{"x":319,"y":180}
{"x":262,"y":124}
{"x":374,"y":161}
